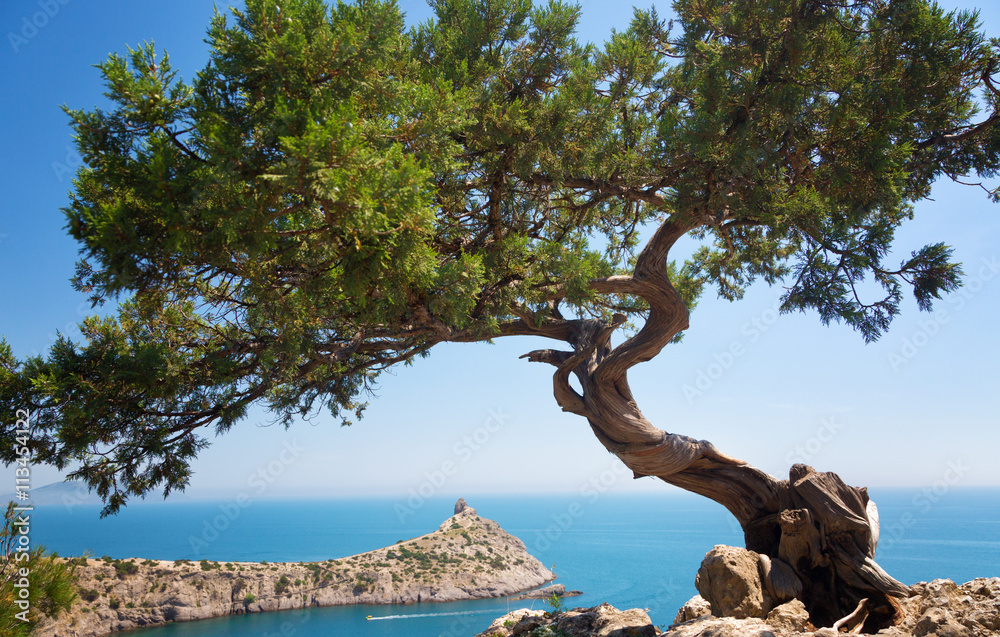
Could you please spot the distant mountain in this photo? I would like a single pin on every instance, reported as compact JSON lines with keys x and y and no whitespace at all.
{"x":70,"y":494}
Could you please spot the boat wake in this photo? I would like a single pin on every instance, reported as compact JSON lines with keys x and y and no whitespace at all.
{"x":416,"y":615}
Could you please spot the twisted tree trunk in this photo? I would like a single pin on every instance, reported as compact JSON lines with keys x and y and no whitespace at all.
{"x":816,"y":535}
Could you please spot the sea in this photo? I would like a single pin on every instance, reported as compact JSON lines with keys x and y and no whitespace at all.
{"x":632,"y":551}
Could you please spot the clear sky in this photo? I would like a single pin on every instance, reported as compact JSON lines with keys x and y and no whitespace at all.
{"x":916,"y":409}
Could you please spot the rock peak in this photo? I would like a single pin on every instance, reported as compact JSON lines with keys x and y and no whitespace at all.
{"x":461,"y":505}
{"x":467,"y":557}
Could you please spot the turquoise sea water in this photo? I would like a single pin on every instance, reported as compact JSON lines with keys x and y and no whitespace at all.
{"x":630,"y":551}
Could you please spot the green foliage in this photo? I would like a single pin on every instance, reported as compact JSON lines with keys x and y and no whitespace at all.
{"x":819,"y":154}
{"x":281,"y":585}
{"x":422,"y":559}
{"x":50,"y":586}
{"x":556,"y":602}
{"x":124,"y":569}
{"x":334,"y":194}
{"x":364,"y":582}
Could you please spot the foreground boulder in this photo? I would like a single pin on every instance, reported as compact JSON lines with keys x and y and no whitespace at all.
{"x":729,"y":580}
{"x":791,"y":616}
{"x":601,"y":621}
{"x":695,"y":607}
{"x":939,"y":608}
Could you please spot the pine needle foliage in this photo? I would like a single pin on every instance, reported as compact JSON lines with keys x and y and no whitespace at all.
{"x":335,"y":193}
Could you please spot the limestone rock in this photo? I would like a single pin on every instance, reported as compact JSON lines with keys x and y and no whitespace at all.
{"x":548,"y":591}
{"x":601,"y":621}
{"x":461,"y":505}
{"x":522,"y":617}
{"x":943,"y":608}
{"x":544,"y":593}
{"x":937,"y":609}
{"x":938,"y":622}
{"x":729,"y":579}
{"x":710,"y":626}
{"x":790,"y":616}
{"x":694,"y":608}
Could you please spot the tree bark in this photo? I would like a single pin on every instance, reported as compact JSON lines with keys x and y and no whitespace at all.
{"x":817,"y":536}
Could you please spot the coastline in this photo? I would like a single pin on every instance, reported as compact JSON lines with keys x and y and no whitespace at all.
{"x":631,"y":550}
{"x":468,"y":557}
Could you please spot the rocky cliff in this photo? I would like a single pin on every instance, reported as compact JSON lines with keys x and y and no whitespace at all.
{"x":468,"y":557}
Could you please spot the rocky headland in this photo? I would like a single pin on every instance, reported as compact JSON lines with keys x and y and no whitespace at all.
{"x":467,"y":557}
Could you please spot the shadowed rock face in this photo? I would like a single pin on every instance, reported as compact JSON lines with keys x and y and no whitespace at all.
{"x":467,"y":557}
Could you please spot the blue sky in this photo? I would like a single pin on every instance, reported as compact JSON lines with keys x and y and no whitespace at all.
{"x":916,"y":409}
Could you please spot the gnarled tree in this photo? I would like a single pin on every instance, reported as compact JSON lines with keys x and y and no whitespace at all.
{"x":334,"y":195}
